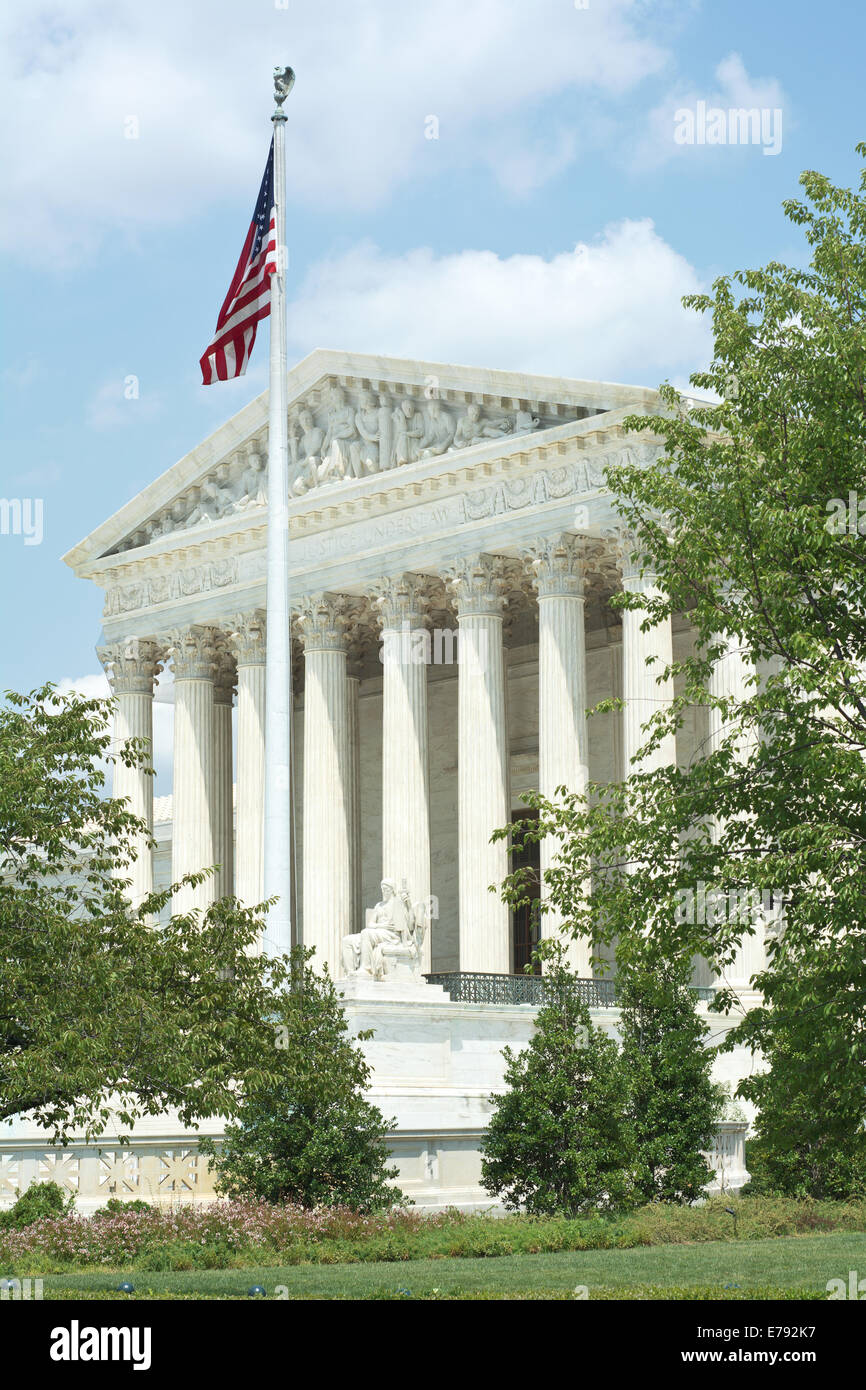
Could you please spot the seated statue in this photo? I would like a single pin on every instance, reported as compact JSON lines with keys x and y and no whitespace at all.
{"x":394,"y":931}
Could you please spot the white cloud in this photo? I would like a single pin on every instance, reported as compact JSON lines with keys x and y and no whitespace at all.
{"x":735,"y":89}
{"x":610,"y":310}
{"x":75,"y":80}
{"x":121,"y":401}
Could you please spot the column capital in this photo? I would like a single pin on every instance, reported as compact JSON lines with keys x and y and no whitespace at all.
{"x":193,"y":653}
{"x":478,"y":585}
{"x":247,"y":638}
{"x":322,"y":620}
{"x":637,"y":567}
{"x":402,"y":599}
{"x":558,"y":565}
{"x":225,"y":678}
{"x":131,"y":666}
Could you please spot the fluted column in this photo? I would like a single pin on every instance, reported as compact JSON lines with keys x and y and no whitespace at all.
{"x":248,"y":643}
{"x":353,"y":795}
{"x":645,"y":655}
{"x":192,"y":842}
{"x":223,"y":779}
{"x":401,"y":604}
{"x":132,"y":668}
{"x":732,"y":679}
{"x":559,"y":568}
{"x":483,"y":770}
{"x":327,"y":890}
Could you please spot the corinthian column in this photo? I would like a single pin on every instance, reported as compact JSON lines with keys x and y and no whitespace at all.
{"x":732,"y":679}
{"x":401,"y":603}
{"x":482,"y":765}
{"x":131,"y":668}
{"x":327,"y":888}
{"x":192,"y":833}
{"x":645,"y":655}
{"x":223,"y":780}
{"x":559,"y":568}
{"x":248,"y":643}
{"x":353,"y":784}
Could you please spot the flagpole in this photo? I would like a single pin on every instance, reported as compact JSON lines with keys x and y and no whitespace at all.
{"x":278,"y":669}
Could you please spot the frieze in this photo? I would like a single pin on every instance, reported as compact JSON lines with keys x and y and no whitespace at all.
{"x":151,"y":591}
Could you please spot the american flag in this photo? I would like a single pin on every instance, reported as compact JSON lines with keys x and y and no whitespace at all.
{"x":249,"y":296}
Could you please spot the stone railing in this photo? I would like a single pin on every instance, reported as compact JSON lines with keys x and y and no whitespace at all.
{"x":165,"y":1173}
{"x":172,"y":1172}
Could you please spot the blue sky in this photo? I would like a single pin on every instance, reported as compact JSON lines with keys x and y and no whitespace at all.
{"x":552,"y":226}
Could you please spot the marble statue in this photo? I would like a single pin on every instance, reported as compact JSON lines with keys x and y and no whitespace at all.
{"x":337,"y":448}
{"x":410,"y":428}
{"x":439,"y":434}
{"x":394,"y":931}
{"x":309,"y":456}
{"x":364,"y":453}
{"x":472,"y":428}
{"x":251,"y":488}
{"x":386,"y":432}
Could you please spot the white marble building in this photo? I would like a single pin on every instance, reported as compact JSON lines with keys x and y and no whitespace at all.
{"x":453,"y":550}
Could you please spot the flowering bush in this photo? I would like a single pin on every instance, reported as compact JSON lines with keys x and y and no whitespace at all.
{"x":164,"y":1238}
{"x":239,"y":1234}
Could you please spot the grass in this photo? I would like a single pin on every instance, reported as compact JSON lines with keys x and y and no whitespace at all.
{"x":797,"y":1266}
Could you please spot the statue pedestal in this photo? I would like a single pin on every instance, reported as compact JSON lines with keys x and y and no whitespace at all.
{"x":397,"y":991}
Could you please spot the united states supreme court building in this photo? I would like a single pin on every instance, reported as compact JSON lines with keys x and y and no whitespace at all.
{"x":453,"y":553}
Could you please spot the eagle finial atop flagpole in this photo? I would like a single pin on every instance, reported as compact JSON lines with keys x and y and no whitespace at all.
{"x":284,"y":81}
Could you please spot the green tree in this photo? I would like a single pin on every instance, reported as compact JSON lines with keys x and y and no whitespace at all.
{"x":307,"y":1135}
{"x":753,"y":519}
{"x":101,"y":1011}
{"x":559,"y":1139}
{"x":797,"y":1152}
{"x":674,"y":1105}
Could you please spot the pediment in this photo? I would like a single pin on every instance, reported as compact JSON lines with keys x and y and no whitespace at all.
{"x":351,"y":417}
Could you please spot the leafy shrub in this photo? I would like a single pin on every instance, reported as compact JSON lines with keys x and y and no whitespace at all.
{"x":39,"y":1200}
{"x":115,"y":1205}
{"x":310,"y":1136}
{"x":560,"y":1141}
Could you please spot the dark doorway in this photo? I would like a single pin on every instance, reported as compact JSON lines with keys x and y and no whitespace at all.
{"x":524,"y":920}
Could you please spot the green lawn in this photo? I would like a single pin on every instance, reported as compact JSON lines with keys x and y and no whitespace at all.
{"x":762,"y":1268}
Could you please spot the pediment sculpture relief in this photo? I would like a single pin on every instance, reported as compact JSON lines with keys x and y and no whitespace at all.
{"x":381,"y":432}
{"x":230,"y":488}
{"x":346,"y":434}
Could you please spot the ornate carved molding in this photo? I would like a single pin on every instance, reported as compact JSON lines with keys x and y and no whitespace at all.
{"x":559,"y":566}
{"x":150,"y":591}
{"x":131,"y":666}
{"x":322,"y":621}
{"x":194,"y":653}
{"x":402,"y":601}
{"x":478,"y":585}
{"x":225,"y":673}
{"x":247,"y":638}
